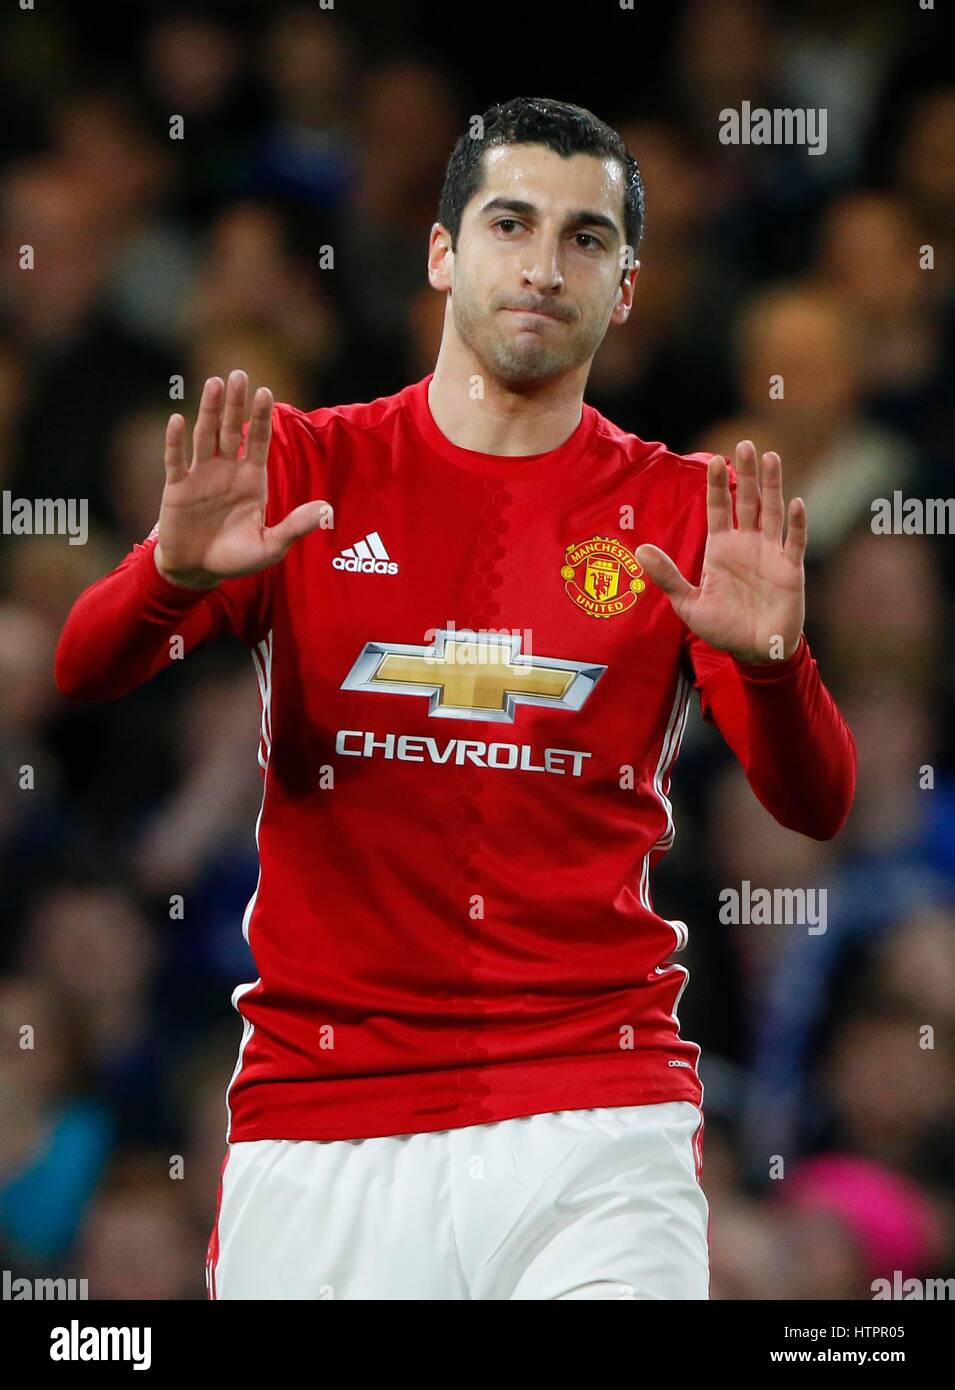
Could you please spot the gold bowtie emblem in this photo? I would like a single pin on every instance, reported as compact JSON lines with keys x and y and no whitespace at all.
{"x":468,"y":675}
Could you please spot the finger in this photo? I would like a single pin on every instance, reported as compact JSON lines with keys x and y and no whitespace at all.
{"x":771,"y":498}
{"x":233,"y":415}
{"x":664,"y":573}
{"x":206,"y":431}
{"x":797,"y":532}
{"x":260,"y":428}
{"x":747,"y":486}
{"x":719,"y":503}
{"x":299,"y":522}
{"x":177,"y":465}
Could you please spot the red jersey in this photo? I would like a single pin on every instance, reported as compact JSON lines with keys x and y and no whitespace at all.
{"x":472,"y":702}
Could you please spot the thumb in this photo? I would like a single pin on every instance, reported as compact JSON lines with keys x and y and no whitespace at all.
{"x":663,"y":572}
{"x":299,"y":522}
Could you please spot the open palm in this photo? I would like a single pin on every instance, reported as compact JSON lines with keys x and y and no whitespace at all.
{"x":750,"y":601}
{"x":212,"y":516}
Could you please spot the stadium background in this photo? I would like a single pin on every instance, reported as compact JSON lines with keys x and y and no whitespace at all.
{"x":305,"y":127}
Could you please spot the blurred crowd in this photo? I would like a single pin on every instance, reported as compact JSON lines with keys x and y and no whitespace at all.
{"x":828,"y":1059}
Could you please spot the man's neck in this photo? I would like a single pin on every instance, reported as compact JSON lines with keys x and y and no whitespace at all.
{"x":503,"y":421}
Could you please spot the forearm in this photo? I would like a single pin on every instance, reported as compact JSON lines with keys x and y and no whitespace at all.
{"x":791,"y":740}
{"x":121,"y":630}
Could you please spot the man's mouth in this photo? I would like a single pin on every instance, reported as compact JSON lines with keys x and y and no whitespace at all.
{"x":535,"y":313}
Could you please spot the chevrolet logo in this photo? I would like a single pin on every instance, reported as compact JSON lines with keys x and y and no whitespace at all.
{"x":470,"y":675}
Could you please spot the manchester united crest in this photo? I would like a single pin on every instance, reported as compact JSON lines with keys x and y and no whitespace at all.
{"x":602,"y":577}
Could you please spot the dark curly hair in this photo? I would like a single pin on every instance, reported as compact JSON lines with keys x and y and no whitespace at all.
{"x":563,"y":128}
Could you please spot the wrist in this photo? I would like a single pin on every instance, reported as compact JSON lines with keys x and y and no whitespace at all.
{"x":781,"y":667}
{"x":779,"y":654}
{"x":192,"y":579}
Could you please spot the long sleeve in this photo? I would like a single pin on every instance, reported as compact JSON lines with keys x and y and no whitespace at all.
{"x":118,"y":632}
{"x":787,"y":732}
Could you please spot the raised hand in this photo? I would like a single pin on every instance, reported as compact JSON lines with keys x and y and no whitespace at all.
{"x":212,"y":517}
{"x":751,"y":599}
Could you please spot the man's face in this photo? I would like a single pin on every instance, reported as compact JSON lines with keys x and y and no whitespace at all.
{"x":536,"y":277}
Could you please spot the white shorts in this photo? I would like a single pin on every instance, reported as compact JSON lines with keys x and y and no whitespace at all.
{"x":602,"y":1203}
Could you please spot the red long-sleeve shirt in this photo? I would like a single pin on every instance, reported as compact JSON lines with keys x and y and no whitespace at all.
{"x":453,"y":921}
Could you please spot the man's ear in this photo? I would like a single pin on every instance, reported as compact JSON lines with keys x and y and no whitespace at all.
{"x":626,"y":291}
{"x":440,"y":258}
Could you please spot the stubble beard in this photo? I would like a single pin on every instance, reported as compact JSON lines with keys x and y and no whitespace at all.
{"x":526,"y":359}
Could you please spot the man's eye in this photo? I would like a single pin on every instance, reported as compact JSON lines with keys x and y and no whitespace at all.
{"x":586,"y":236}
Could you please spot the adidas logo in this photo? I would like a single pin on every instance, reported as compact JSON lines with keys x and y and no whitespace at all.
{"x":366,"y":557}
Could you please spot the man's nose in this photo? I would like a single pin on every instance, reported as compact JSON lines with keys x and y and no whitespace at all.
{"x":543,"y":271}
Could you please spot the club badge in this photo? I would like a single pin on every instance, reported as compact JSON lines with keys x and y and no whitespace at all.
{"x":602,"y":577}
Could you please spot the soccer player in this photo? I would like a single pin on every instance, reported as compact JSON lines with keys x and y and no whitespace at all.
{"x":461,"y":1073}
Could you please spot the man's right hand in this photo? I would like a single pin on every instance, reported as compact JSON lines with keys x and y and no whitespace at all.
{"x":212,"y":517}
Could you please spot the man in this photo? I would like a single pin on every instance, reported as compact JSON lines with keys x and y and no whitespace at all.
{"x":461,"y":1072}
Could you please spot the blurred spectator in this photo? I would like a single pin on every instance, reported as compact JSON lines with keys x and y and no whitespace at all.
{"x":82,"y":365}
{"x":137,"y":1241}
{"x":641,"y":370}
{"x":750,"y":1258}
{"x":93,"y":950}
{"x":836,"y":57}
{"x":249,"y":280}
{"x":801,"y":388}
{"x":407,"y":126}
{"x":900,"y":315}
{"x":926,"y":178}
{"x":54,"y":1137}
{"x":308,"y":62}
{"x":852,"y":1222}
